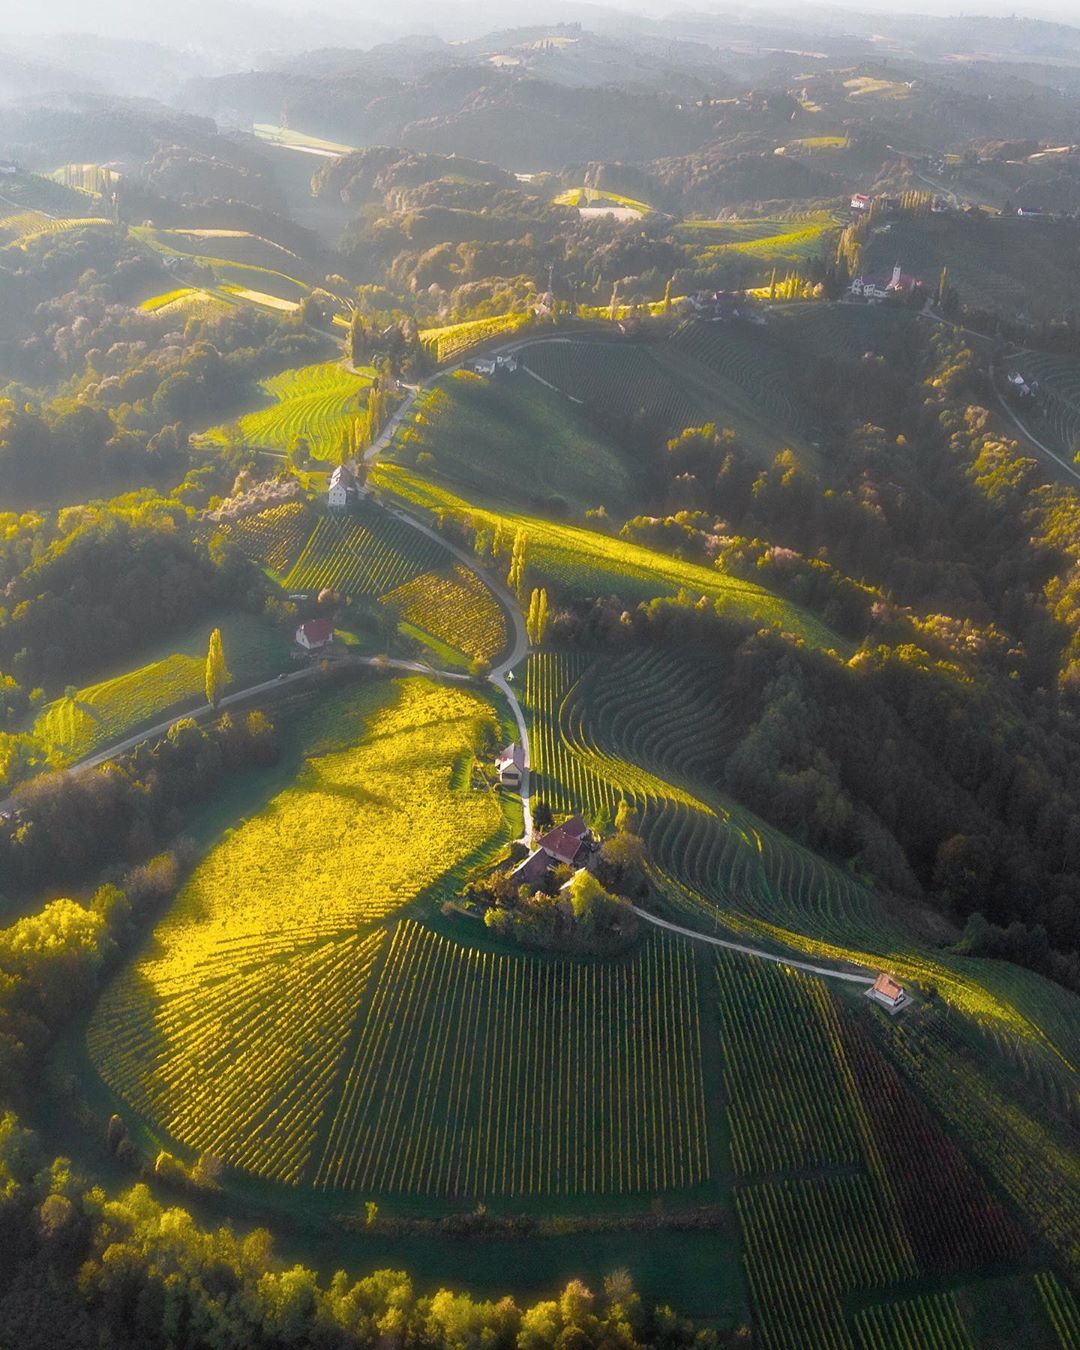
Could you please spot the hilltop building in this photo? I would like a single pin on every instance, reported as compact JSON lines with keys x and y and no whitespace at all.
{"x":344,"y":490}
{"x":315,"y":633}
{"x":876,"y":289}
{"x":886,"y":991}
{"x":861,"y":202}
{"x":510,"y":766}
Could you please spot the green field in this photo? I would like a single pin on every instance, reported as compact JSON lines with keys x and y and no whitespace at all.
{"x":110,"y":709}
{"x":316,"y":404}
{"x":509,"y":437}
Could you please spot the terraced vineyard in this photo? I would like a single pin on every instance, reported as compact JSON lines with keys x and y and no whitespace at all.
{"x":457,"y":608}
{"x":1055,"y":416}
{"x":750,"y":360}
{"x":850,"y":331}
{"x":484,"y":1074}
{"x":366,"y":553}
{"x":613,"y":375}
{"x":588,"y":563}
{"x":929,"y":1321}
{"x":110,"y":709}
{"x":273,"y":537}
{"x":781,"y":242}
{"x":454,"y":340}
{"x":227,"y":1033}
{"x":315,"y":404}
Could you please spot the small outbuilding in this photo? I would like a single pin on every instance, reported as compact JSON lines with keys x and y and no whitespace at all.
{"x":510,"y":766}
{"x":315,"y":633}
{"x":886,"y":991}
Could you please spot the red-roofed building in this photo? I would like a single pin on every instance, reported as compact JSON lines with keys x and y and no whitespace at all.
{"x":861,"y":202}
{"x":315,"y":633}
{"x":566,"y":841}
{"x":886,"y":991}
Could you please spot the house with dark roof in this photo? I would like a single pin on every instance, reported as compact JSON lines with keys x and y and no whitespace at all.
{"x":886,"y":991}
{"x":566,"y":842}
{"x":344,"y":489}
{"x":315,"y":633}
{"x":510,"y":766}
{"x":570,"y":843}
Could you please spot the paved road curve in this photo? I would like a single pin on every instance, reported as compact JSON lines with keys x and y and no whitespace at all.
{"x":827,"y":971}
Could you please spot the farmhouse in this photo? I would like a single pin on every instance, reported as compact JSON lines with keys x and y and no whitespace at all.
{"x":510,"y":766}
{"x":315,"y":633}
{"x":939,"y":206}
{"x":484,"y":366}
{"x":1029,"y":211}
{"x":570,"y":843}
{"x":8,"y":168}
{"x":508,"y":362}
{"x":344,"y":490}
{"x":887,"y":992}
{"x":861,"y":202}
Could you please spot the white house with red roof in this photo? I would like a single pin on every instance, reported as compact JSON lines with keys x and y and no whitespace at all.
{"x":315,"y":633}
{"x":876,"y":289}
{"x":861,"y":202}
{"x":886,"y":991}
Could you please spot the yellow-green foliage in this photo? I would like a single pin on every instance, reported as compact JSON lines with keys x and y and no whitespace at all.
{"x":273,"y":537}
{"x":229,"y":1031}
{"x":457,"y":608}
{"x":316,"y":403}
{"x":373,"y":818}
{"x":106,"y":711}
{"x":481,"y":1073}
{"x":235,"y":1055}
{"x":588,"y":563}
{"x":445,"y":344}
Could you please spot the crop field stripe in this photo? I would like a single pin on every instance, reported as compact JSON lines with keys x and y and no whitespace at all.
{"x":927,"y":1322}
{"x":1061,"y":1309}
{"x":483,"y":1070}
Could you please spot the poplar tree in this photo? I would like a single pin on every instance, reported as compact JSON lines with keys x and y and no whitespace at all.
{"x":217,"y":672}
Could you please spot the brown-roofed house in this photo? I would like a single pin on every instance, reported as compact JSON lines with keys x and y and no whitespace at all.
{"x":886,"y":991}
{"x":565,"y":842}
{"x":315,"y":633}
